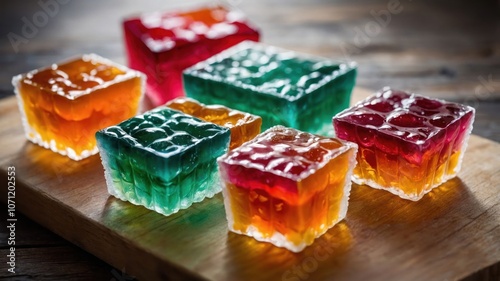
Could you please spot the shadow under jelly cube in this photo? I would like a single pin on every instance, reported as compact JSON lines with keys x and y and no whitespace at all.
{"x":163,"y":44}
{"x":408,"y":144}
{"x":65,"y":104}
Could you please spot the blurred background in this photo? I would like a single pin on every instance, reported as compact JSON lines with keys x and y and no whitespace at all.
{"x":446,"y":49}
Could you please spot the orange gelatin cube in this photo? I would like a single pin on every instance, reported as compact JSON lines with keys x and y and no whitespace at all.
{"x":287,"y":187}
{"x":64,"y":105}
{"x":244,"y":126}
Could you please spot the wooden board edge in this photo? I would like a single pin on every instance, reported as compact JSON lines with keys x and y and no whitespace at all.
{"x":127,"y":256}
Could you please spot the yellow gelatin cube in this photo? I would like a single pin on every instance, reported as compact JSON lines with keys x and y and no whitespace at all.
{"x":244,"y":126}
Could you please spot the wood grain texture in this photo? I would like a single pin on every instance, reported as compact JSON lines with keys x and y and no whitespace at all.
{"x":72,"y":265}
{"x":451,"y":233}
{"x":42,"y":255}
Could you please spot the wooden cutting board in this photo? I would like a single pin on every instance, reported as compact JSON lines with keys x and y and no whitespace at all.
{"x":451,"y":233}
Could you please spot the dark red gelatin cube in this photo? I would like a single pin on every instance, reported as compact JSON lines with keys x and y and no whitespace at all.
{"x":442,"y":121}
{"x":366,"y":137}
{"x":407,"y":120}
{"x":367,"y":119}
{"x":387,"y":144}
{"x":395,"y":96}
{"x":380,"y":105}
{"x":427,"y":103}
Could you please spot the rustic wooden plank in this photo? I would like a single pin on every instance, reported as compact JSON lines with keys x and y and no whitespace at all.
{"x":451,"y":233}
{"x":28,"y":233}
{"x":70,"y":265}
{"x":489,"y":274}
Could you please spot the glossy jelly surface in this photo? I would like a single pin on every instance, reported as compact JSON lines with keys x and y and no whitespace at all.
{"x":65,"y":104}
{"x":408,"y":144}
{"x":162,"y":45}
{"x":243,"y":126}
{"x":164,"y":160}
{"x":283,"y":87}
{"x":287,"y":187}
{"x":75,"y":78}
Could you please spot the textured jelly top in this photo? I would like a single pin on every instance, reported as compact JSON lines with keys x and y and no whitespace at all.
{"x":164,"y":31}
{"x":269,"y":70}
{"x":217,"y":114}
{"x":77,"y":77}
{"x":408,"y":116}
{"x":164,"y":131}
{"x":287,"y":152}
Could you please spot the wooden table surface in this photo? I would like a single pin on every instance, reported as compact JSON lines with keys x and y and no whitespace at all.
{"x":447,"y":49}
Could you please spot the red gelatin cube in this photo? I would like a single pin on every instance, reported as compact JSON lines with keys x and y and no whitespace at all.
{"x":162,"y":45}
{"x":287,"y":187}
{"x":409,"y":144}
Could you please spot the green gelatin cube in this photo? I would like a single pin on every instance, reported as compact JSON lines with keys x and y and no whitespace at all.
{"x":164,"y":160}
{"x":283,"y":87}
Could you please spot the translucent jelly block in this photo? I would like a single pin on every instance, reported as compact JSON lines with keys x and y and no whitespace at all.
{"x":283,"y":87}
{"x":408,"y":144}
{"x":64,"y":105}
{"x":287,"y":187}
{"x":162,"y":45}
{"x":164,"y":160}
{"x":243,"y":126}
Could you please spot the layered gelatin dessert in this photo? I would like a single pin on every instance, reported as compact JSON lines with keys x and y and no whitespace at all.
{"x":243,"y":126}
{"x":163,"y":44}
{"x":65,"y":104}
{"x":163,"y":160}
{"x":287,"y":187}
{"x":282,"y":87}
{"x":408,"y":144}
